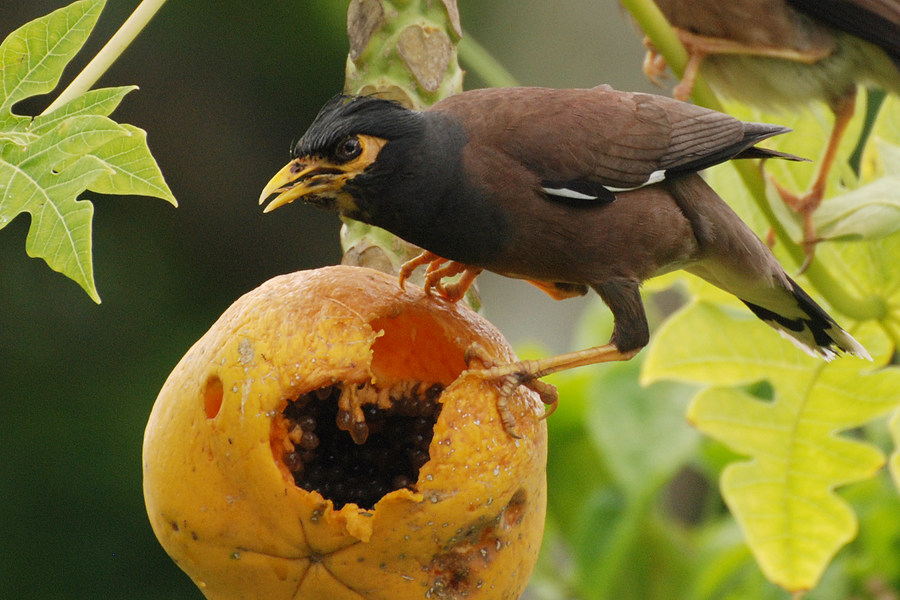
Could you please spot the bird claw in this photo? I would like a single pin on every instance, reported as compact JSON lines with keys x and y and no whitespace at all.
{"x":654,"y":65}
{"x":436,"y":271}
{"x":528,"y":373}
{"x":407,"y":268}
{"x":804,"y":205}
{"x":509,"y":383}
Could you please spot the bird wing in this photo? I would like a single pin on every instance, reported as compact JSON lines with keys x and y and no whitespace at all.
{"x":876,"y":21}
{"x":590,"y":144}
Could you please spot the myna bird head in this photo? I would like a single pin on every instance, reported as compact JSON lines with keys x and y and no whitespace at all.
{"x":338,"y":154}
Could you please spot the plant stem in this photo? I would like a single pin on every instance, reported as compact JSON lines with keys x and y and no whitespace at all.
{"x":483,"y":63}
{"x":110,"y":52}
{"x":666,"y":42}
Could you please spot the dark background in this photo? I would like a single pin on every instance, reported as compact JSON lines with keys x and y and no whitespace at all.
{"x":225,"y":87}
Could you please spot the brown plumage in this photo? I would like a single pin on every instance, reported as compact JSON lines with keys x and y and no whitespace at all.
{"x":568,"y":188}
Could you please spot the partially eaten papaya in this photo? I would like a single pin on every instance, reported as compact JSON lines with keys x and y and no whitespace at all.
{"x":323,"y":440}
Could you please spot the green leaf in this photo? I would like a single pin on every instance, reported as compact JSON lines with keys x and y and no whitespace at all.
{"x":34,"y":56}
{"x":895,"y":457}
{"x":95,"y":102}
{"x":61,"y":230}
{"x":44,"y":177}
{"x":46,"y":162}
{"x":783,"y":497}
{"x":870,"y":211}
{"x":134,"y":169}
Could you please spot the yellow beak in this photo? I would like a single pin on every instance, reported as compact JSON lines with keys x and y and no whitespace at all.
{"x":296,"y":170}
{"x":320,"y":178}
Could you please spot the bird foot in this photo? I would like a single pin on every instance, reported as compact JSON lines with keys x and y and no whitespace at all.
{"x":509,"y":383}
{"x":407,"y":268}
{"x":804,"y":205}
{"x":438,"y":269}
{"x":654,"y":65}
{"x":685,"y":87}
{"x":528,"y":373}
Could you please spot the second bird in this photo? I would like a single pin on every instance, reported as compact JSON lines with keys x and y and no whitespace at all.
{"x":786,"y":54}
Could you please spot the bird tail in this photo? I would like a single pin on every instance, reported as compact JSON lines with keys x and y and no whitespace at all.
{"x":815,"y":332}
{"x":766,"y":153}
{"x":734,"y":259}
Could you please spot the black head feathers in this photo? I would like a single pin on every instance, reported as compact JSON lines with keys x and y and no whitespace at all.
{"x":343,"y":116}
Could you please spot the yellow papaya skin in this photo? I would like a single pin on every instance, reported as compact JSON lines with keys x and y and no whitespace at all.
{"x":227,"y":509}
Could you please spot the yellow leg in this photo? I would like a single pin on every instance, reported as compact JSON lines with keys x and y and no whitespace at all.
{"x":685,"y":87}
{"x":528,"y":372}
{"x":805,"y":205}
{"x":654,"y":66}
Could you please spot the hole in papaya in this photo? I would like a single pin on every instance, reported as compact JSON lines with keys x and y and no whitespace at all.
{"x":355,"y":443}
{"x":212,"y":396}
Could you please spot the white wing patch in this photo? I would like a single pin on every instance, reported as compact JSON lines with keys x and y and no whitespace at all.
{"x":567,"y":193}
{"x":655,"y":177}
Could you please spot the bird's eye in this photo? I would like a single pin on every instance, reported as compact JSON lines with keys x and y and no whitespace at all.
{"x":349,"y":149}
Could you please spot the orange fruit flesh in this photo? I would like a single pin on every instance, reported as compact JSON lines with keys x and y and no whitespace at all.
{"x":414,"y":344}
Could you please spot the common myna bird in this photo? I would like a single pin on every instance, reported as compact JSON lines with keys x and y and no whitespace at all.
{"x":569,"y":189}
{"x":787,"y":53}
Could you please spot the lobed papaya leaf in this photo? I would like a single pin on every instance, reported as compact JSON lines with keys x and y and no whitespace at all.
{"x":94,"y":102}
{"x":134,"y":171}
{"x":47,"y":161}
{"x":783,"y":497}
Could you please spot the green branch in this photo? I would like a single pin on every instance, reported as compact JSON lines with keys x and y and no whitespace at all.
{"x":110,"y":52}
{"x":666,"y":42}
{"x":483,"y":64}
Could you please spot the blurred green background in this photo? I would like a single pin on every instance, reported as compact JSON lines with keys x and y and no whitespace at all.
{"x":226,"y":86}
